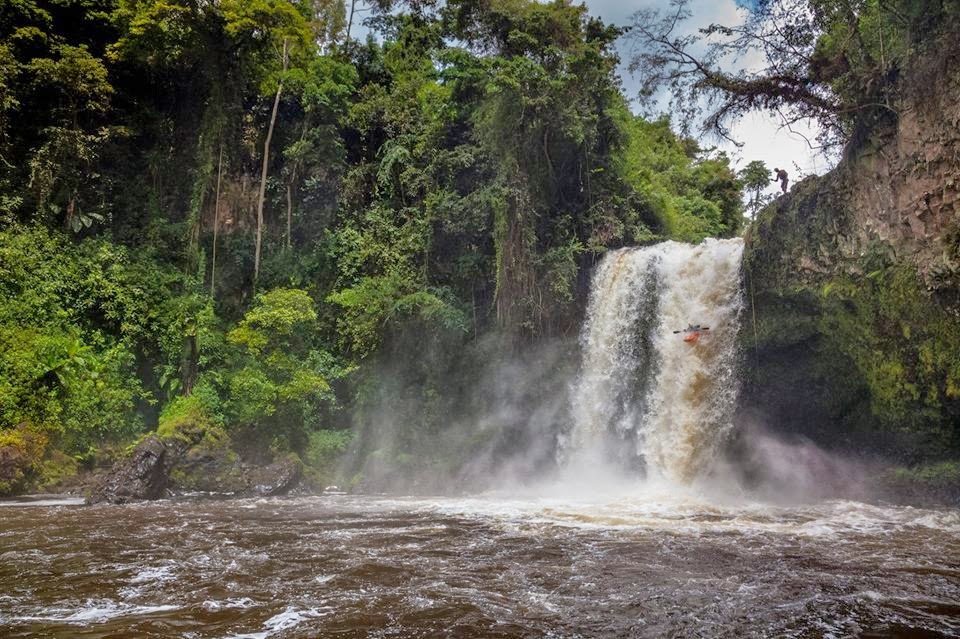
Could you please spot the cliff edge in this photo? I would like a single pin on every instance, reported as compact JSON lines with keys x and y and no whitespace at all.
{"x":853,"y":281}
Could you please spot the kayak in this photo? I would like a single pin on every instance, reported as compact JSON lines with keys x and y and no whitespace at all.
{"x":692,"y":338}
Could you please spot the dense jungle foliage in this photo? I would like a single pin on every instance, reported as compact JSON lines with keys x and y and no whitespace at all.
{"x":225,"y":213}
{"x":243,"y":217}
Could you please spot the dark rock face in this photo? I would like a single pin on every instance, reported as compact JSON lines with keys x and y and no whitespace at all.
{"x":144,"y":475}
{"x":279,"y":478}
{"x":158,"y":467}
{"x":853,"y":292}
{"x":896,"y":192}
{"x":209,"y":469}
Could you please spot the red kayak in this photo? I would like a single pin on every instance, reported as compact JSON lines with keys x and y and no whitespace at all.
{"x":692,"y":338}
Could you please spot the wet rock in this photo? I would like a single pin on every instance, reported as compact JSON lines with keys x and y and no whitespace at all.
{"x":279,"y":478}
{"x":144,"y":476}
{"x":161,"y":466}
{"x":209,"y":468}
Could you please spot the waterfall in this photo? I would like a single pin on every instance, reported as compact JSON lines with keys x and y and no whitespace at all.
{"x":644,"y":397}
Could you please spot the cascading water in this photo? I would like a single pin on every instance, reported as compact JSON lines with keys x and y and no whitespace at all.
{"x":644,"y":396}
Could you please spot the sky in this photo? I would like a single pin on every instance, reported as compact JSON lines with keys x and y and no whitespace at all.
{"x":761,"y":134}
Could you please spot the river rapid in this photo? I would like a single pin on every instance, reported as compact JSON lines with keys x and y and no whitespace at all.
{"x":637,"y":562}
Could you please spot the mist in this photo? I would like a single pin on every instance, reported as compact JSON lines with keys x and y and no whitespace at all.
{"x":626,"y":408}
{"x":492,"y":418}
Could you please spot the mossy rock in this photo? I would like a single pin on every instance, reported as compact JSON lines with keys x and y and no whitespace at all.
{"x":209,"y":466}
{"x":188,"y":422}
{"x":21,"y":451}
{"x":56,"y":473}
{"x":203,"y":459}
{"x":844,"y":343}
{"x":931,"y":483}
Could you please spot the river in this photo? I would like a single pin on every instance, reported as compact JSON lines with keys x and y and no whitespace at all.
{"x":633,"y":564}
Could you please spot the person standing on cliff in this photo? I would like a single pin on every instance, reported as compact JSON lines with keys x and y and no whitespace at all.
{"x":782,"y":178}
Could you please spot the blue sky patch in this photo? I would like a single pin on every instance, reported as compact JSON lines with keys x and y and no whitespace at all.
{"x":752,"y":5}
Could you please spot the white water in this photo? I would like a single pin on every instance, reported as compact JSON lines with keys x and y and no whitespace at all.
{"x":634,"y":559}
{"x":646,"y":398}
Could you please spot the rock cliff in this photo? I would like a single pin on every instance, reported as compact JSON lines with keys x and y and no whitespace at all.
{"x":853,"y":284}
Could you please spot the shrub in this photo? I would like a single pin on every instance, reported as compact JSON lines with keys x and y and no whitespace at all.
{"x":194,"y":418}
{"x":323,"y":450}
{"x":21,"y":450}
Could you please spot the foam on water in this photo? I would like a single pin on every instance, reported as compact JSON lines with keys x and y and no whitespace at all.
{"x":663,"y":507}
{"x":41,"y":501}
{"x":94,"y":611}
{"x":286,"y":620}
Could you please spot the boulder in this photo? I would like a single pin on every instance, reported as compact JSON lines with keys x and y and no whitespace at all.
{"x":209,"y":467}
{"x":279,"y":478}
{"x":161,"y":466}
{"x":143,"y":476}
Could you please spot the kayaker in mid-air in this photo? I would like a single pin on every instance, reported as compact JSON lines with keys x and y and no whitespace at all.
{"x":692,"y":333}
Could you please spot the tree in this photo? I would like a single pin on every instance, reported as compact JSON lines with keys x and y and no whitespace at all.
{"x":216,"y":222}
{"x":261,"y":196}
{"x":279,"y":377}
{"x":62,"y":168}
{"x":756,"y":178}
{"x":323,"y":90}
{"x":269,"y":31}
{"x":278,"y":34}
{"x":832,"y":61}
{"x":9,"y":69}
{"x":544,"y":119}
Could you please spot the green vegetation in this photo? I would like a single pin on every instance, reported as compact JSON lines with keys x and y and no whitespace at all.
{"x":688,"y":199}
{"x":320,"y":455}
{"x":21,"y":454}
{"x":71,"y":316}
{"x":905,"y":346}
{"x":223,"y":221}
{"x":853,"y":351}
{"x":942,"y":479}
{"x":756,"y":178}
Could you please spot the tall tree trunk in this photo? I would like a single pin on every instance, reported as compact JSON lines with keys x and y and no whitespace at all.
{"x":193,"y":245}
{"x":189,"y":363}
{"x":216,"y":224}
{"x":353,"y":5}
{"x":266,"y":166}
{"x":295,"y":169}
{"x":516,"y":277}
{"x":289,"y":210}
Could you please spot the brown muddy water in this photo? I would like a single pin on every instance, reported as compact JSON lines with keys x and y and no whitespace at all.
{"x":635,"y":565}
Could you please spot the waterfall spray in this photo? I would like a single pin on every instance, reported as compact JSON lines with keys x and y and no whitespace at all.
{"x":645,"y":398}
